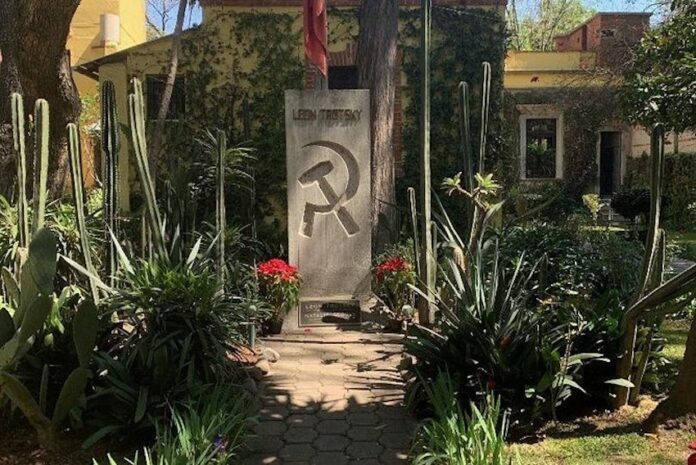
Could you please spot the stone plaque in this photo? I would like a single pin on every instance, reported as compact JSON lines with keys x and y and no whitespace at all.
{"x":328,"y":167}
{"x":321,"y":313}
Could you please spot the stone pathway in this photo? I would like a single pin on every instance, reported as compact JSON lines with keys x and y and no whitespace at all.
{"x":336,"y":402}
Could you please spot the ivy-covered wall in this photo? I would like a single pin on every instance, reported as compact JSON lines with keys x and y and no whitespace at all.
{"x":462,"y":40}
{"x":586,"y":110}
{"x":254,"y":55}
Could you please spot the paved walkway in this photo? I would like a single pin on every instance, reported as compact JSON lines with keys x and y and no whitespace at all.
{"x":335,"y":402}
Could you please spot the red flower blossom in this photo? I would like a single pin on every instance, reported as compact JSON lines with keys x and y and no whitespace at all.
{"x":692,"y":446}
{"x":277,"y":269}
{"x":391,"y":265}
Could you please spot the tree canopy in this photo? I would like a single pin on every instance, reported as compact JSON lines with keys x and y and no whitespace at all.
{"x":661,"y":86}
{"x":533,"y":24}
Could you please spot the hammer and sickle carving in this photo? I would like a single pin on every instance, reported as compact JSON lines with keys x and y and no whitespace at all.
{"x":335,"y":203}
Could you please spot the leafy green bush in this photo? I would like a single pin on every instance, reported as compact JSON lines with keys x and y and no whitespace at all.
{"x":207,"y":429}
{"x":679,"y":187}
{"x":547,"y":202}
{"x":632,"y":202}
{"x":173,"y":329}
{"x":575,"y":264}
{"x":455,"y":437}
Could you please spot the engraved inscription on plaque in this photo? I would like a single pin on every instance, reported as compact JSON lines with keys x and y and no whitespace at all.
{"x":332,"y":313}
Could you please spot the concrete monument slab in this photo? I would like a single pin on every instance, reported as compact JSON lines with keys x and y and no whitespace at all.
{"x":328,"y":167}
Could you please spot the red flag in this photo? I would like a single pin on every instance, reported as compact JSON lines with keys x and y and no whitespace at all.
{"x":315,"y":32}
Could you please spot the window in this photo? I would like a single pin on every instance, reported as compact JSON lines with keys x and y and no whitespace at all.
{"x":541,"y":142}
{"x":343,"y":77}
{"x":155,"y":88}
{"x":541,"y":148}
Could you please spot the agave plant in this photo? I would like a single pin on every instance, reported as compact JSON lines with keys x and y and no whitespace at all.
{"x":32,"y":303}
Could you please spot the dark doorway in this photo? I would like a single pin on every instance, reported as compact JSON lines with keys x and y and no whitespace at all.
{"x":609,"y":162}
{"x":343,"y":77}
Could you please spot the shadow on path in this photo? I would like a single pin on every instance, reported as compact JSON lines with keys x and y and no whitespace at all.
{"x":336,"y":404}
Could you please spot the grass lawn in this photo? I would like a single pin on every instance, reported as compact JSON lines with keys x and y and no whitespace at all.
{"x":614,"y":438}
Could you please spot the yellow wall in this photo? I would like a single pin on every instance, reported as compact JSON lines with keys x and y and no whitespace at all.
{"x":85,"y":40}
{"x":543,"y":70}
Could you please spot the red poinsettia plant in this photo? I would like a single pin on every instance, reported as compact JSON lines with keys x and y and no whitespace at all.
{"x":393,"y":277}
{"x":280,"y":283}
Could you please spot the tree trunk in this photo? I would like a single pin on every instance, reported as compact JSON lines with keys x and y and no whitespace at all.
{"x":158,"y":134}
{"x":376,"y":59}
{"x":682,"y":399}
{"x":35,"y":63}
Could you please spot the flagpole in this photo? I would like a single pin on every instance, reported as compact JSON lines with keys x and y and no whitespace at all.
{"x":320,"y":82}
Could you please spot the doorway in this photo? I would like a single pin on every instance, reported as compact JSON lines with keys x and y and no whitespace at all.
{"x":609,"y":162}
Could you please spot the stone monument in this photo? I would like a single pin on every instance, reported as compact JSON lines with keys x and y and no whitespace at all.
{"x":329,"y":227}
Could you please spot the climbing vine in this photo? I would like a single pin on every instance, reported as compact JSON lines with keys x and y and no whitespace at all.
{"x":254,"y":56}
{"x":585,"y":111}
{"x":462,"y":40}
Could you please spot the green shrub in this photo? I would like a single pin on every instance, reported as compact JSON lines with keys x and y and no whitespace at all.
{"x":455,"y":437}
{"x":547,"y":202}
{"x":575,"y":264}
{"x":632,"y":202}
{"x":173,"y":329}
{"x":207,"y":429}
{"x":679,"y":188}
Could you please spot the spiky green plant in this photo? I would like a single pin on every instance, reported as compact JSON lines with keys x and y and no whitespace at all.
{"x":41,"y":141}
{"x":456,"y":437}
{"x":111,"y":146}
{"x":75,"y":153}
{"x":136,"y":118}
{"x":20,"y":149}
{"x":32,"y":302}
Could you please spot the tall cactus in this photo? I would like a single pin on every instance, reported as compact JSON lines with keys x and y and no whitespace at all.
{"x":18,"y":119}
{"x":649,"y":274}
{"x":220,"y":214}
{"x":41,"y":141}
{"x":75,"y":152}
{"x":474,"y":216}
{"x":111,"y":145}
{"x":18,"y":332}
{"x":136,"y":118}
{"x":427,"y":265}
{"x":485,"y":115}
{"x":468,"y":161}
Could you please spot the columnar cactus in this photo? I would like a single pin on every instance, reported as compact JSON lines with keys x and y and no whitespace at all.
{"x":485,"y":115}
{"x":75,"y":153}
{"x":136,"y":118}
{"x":220,"y":215}
{"x":110,"y":150}
{"x":625,"y":366}
{"x":41,"y":141}
{"x":20,"y":149}
{"x":468,"y":162}
{"x":427,"y":259}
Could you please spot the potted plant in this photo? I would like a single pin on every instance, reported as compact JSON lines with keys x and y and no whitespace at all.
{"x":393,"y":278}
{"x":279,"y":283}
